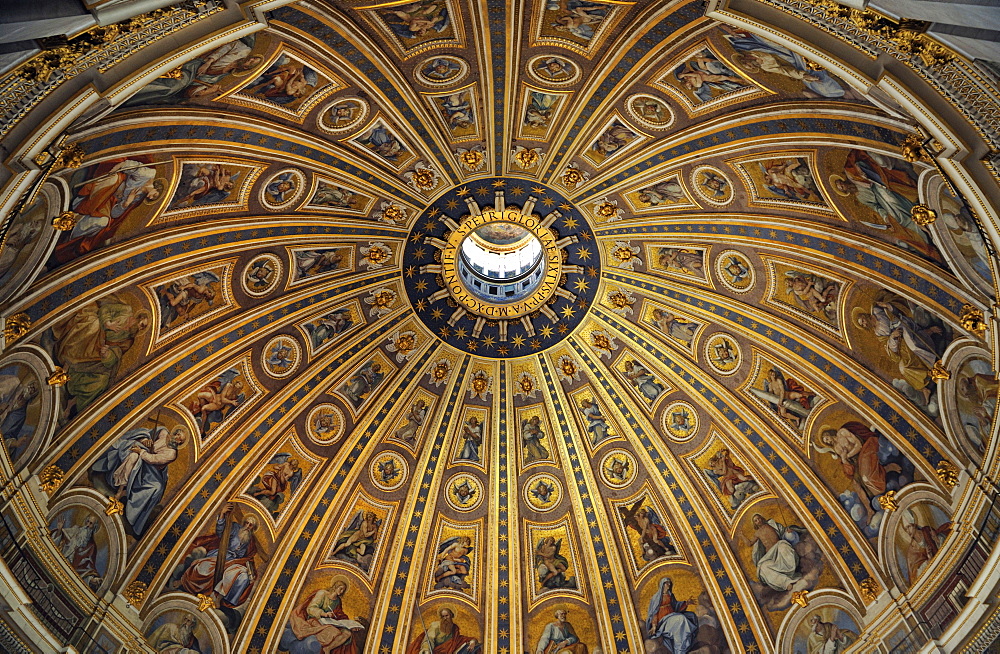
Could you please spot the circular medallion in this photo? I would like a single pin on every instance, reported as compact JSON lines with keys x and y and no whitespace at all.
{"x":443,"y":70}
{"x":516,"y":261}
{"x":343,"y":114}
{"x":542,"y":492}
{"x":680,"y":420}
{"x":723,"y":353}
{"x":283,"y":190}
{"x":281,"y":356}
{"x":553,"y":70}
{"x":734,"y":271}
{"x":325,"y":424}
{"x":650,"y":110}
{"x":261,"y":276}
{"x":388,"y":471}
{"x":618,"y":468}
{"x":712,"y":185}
{"x":464,"y":492}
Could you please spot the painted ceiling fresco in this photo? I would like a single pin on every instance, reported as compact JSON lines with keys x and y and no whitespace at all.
{"x":719,"y":433}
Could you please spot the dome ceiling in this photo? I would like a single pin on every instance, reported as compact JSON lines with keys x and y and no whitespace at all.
{"x":714,"y":424}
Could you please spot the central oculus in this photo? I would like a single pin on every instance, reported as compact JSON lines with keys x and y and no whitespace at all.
{"x":501,"y":263}
{"x":499,"y":278}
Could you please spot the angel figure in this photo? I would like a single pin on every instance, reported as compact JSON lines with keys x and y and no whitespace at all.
{"x":215,"y":400}
{"x":358,"y":542}
{"x":259,"y":274}
{"x":279,"y":358}
{"x":786,"y":396}
{"x":738,"y":271}
{"x":204,"y":184}
{"x":730,"y":478}
{"x":653,"y":536}
{"x":704,"y":74}
{"x":388,"y":471}
{"x":551,"y":566}
{"x":317,"y":262}
{"x":597,"y":426}
{"x":542,"y":491}
{"x":464,"y":493}
{"x":415,"y":20}
{"x":276,"y":486}
{"x":457,"y":110}
{"x":663,"y":193}
{"x":533,"y":435}
{"x":472,"y":435}
{"x":414,"y":420}
{"x":643,"y":380}
{"x":683,"y":259}
{"x":790,"y":179}
{"x":539,"y":110}
{"x":179,"y":298}
{"x":363,"y":382}
{"x":285,"y":81}
{"x":673,"y":326}
{"x":453,"y":563}
{"x":617,"y":470}
{"x":580,"y":18}
{"x":813,"y":293}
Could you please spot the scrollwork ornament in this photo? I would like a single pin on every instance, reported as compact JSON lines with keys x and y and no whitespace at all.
{"x":70,"y":156}
{"x":801,"y":598}
{"x":114,"y":506}
{"x":912,"y":148}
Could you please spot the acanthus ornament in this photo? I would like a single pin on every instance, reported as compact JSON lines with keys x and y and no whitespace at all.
{"x":50,"y":478}
{"x":15,"y":326}
{"x":947,"y":473}
{"x":869,"y":590}
{"x":888,"y":501}
{"x":134,"y":593}
{"x":922,"y":214}
{"x":59,"y":377}
{"x":972,"y":320}
{"x":939,"y":372}
{"x":65,"y":221}
{"x":907,"y":34}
